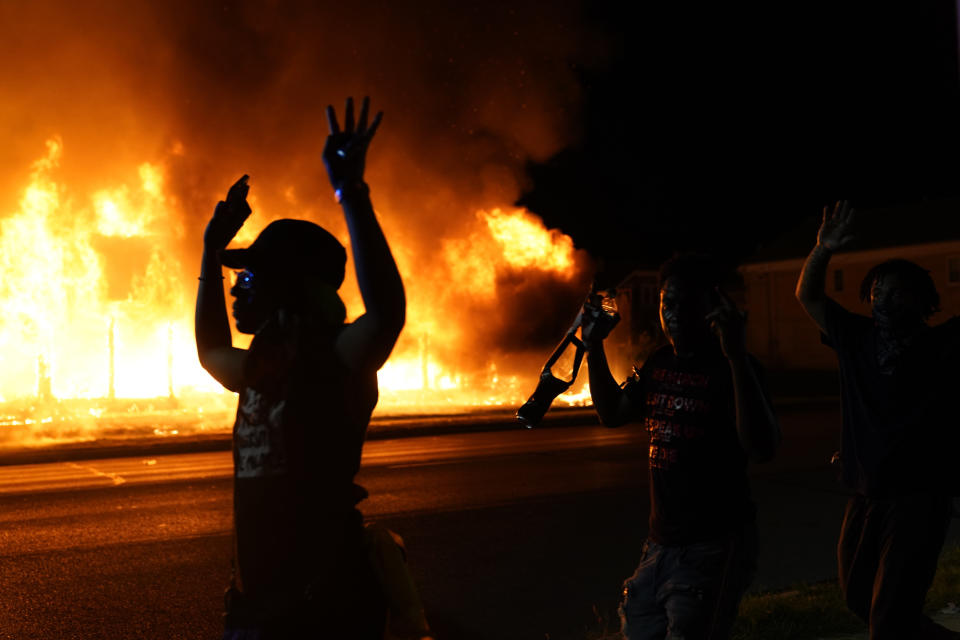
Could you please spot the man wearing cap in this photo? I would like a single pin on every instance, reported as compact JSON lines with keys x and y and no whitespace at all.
{"x":307,"y":386}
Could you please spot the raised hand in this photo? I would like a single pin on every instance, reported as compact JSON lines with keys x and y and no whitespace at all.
{"x":598,"y":322}
{"x":727,"y":323}
{"x":228,"y":216}
{"x":836,"y":230}
{"x":345,"y":151}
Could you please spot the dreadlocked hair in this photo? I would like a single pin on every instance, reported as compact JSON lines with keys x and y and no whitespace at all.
{"x":917,"y":278}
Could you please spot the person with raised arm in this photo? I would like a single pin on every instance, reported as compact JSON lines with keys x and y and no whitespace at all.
{"x":897,"y":379}
{"x":702,"y":401}
{"x":307,"y":385}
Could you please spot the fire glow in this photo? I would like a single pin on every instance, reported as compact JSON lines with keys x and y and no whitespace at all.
{"x":99,"y":316}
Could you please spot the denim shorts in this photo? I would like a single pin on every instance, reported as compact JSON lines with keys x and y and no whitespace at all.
{"x":688,"y":592}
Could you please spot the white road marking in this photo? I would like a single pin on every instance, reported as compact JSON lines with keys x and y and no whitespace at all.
{"x":400,"y":452}
{"x":116,"y":479}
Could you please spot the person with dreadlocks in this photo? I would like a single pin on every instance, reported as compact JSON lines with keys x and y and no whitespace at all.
{"x":897,"y":384}
{"x":702,"y":400}
{"x":302,"y":563}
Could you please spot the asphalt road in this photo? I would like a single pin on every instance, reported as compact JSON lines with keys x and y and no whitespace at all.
{"x":511,"y":534}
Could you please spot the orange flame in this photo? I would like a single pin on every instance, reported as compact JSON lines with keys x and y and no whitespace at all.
{"x":96,"y":306}
{"x":57,"y":290}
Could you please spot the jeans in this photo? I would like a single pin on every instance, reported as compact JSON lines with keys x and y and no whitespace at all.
{"x":689,"y":592}
{"x":887,"y":557}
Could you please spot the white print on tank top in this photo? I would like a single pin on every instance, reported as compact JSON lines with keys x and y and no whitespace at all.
{"x":258,"y":438}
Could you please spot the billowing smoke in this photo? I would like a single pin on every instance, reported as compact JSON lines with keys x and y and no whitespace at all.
{"x":209,"y":91}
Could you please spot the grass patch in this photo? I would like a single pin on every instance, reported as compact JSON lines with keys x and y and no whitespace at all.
{"x":946,"y":584}
{"x":806,"y":611}
{"x":818,"y":610}
{"x":810,"y":611}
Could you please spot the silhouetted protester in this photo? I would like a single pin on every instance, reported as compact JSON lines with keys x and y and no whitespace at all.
{"x":702,"y":401}
{"x":898,"y":383}
{"x":307,"y":387}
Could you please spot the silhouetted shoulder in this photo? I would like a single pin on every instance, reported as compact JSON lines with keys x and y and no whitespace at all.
{"x":948,"y":334}
{"x":635,"y":384}
{"x":842,"y":326}
{"x":951,"y":325}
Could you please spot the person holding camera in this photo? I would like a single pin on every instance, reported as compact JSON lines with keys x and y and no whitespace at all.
{"x":899,"y":434}
{"x":702,"y":401}
{"x":307,"y":385}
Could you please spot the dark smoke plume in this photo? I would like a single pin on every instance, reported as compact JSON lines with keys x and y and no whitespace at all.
{"x":471,"y":93}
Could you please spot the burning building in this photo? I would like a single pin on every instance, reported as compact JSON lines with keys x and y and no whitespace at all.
{"x":128,"y":121}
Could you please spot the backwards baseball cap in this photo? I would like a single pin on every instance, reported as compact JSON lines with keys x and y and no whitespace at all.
{"x":292,"y":248}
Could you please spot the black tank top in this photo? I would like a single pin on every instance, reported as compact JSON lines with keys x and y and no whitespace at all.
{"x":297,"y":440}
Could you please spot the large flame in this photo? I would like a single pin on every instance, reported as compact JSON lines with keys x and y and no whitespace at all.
{"x":512,"y":239}
{"x":77,"y":326}
{"x":97,"y":308}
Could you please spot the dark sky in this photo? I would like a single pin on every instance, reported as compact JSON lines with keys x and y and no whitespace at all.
{"x":637,"y":131}
{"x":208,"y":91}
{"x":717,"y":129}
{"x":658,"y":126}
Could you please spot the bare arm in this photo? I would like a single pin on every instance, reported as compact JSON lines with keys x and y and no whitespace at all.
{"x":370,"y":338}
{"x":757,"y":426}
{"x":366,"y":343}
{"x":612,"y":404}
{"x":211,"y":325}
{"x":835,"y":231}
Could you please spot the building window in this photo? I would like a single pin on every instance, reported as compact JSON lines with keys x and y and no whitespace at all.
{"x":838,"y":279}
{"x":953,"y":270}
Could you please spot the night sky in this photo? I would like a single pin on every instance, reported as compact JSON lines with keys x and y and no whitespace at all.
{"x":718,"y":129}
{"x":638,"y":131}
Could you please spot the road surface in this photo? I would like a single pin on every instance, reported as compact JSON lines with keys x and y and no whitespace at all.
{"x":511,"y":534}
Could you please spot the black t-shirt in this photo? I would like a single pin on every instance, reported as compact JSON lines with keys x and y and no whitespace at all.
{"x":297,"y":441}
{"x":899,"y":427}
{"x":698,"y":481}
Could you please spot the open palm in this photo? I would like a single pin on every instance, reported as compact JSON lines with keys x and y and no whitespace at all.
{"x":836,"y":230}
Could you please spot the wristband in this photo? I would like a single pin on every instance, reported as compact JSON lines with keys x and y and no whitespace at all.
{"x":357,"y":188}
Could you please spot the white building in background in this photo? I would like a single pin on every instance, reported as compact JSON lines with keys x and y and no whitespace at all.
{"x":779,"y":333}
